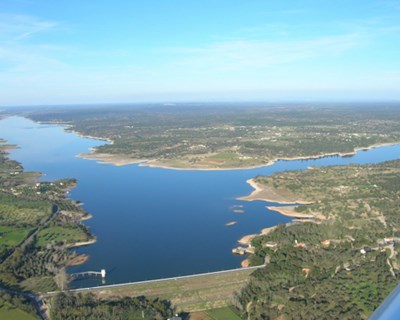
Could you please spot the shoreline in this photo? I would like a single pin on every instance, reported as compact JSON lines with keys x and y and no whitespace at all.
{"x":86,"y":217}
{"x":79,"y":259}
{"x":267,"y":195}
{"x":106,"y":158}
{"x":121,"y":160}
{"x":246,"y":240}
{"x":154,"y":164}
{"x":68,"y":127}
{"x":81,"y":244}
{"x":289,"y":211}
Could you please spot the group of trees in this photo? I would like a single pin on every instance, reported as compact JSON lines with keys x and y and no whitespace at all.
{"x":15,"y":301}
{"x":256,"y":133}
{"x":40,"y":223}
{"x":28,"y":254}
{"x":90,"y":307}
{"x":334,"y":279}
{"x":338,"y":285}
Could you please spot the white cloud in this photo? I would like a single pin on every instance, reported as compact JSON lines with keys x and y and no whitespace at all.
{"x":18,"y":55}
{"x":19,"y":27}
{"x":255,"y":54}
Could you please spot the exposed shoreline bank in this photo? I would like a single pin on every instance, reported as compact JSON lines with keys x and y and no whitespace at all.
{"x":289,"y":211}
{"x":106,"y":158}
{"x":82,"y":243}
{"x":263,"y":193}
{"x":246,"y":240}
{"x":62,"y":210}
{"x":121,"y":160}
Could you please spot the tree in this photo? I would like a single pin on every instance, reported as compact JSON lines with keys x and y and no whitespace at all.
{"x":61,"y":279}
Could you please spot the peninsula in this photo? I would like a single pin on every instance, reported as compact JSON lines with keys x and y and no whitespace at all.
{"x":220,"y":137}
{"x":342,"y":263}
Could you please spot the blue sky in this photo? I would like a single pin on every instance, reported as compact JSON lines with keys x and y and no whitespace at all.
{"x":67,"y":51}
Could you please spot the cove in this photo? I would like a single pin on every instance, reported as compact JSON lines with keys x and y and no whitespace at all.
{"x":153,"y":222}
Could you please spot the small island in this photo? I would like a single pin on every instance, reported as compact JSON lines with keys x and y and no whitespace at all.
{"x":231,"y":223}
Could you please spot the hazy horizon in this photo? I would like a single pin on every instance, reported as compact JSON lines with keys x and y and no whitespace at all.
{"x":216,"y":103}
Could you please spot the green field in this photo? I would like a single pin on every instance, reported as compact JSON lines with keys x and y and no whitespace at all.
{"x":225,"y":313}
{"x":60,"y":235}
{"x":8,"y":312}
{"x":37,"y":226}
{"x":224,"y":156}
{"x":17,"y":210}
{"x":10,"y":236}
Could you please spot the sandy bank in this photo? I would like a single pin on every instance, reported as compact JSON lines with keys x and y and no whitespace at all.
{"x":89,"y":136}
{"x":266,"y":231}
{"x":121,"y":160}
{"x":157,"y":164}
{"x":290,"y":211}
{"x":81,"y":244}
{"x":67,"y":126}
{"x":105,"y":158}
{"x":78,"y":260}
{"x":245,"y":263}
{"x":86,"y":217}
{"x":268,"y":194}
{"x":246,"y":240}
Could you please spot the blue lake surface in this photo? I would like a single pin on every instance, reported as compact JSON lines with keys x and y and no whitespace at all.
{"x":153,"y":222}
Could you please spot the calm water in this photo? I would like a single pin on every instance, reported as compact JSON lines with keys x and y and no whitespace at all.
{"x":151,"y":222}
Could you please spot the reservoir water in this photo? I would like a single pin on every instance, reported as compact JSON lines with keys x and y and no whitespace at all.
{"x":152,"y":222}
